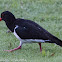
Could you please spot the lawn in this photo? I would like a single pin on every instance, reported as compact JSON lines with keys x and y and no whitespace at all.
{"x":48,"y":14}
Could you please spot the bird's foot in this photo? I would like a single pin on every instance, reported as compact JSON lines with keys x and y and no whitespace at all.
{"x":19,"y":47}
{"x":41,"y":50}
{"x":8,"y":50}
{"x":40,"y":47}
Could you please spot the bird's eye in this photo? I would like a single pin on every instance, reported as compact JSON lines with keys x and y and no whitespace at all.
{"x":2,"y":15}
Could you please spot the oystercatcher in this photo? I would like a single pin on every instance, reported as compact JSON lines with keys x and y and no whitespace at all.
{"x":27,"y":31}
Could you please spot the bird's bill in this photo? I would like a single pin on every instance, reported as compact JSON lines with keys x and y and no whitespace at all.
{"x":0,"y":19}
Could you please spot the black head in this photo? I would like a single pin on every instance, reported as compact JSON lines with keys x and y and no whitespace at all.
{"x":7,"y":16}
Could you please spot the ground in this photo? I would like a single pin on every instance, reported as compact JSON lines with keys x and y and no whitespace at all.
{"x":48,"y":14}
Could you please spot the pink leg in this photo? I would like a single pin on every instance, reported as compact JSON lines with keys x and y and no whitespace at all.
{"x":19,"y":47}
{"x":40,"y":47}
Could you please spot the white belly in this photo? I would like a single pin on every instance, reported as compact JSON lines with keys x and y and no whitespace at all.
{"x":29,"y":40}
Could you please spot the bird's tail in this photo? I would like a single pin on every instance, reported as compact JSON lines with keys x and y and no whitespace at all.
{"x":54,"y":39}
{"x":57,"y":41}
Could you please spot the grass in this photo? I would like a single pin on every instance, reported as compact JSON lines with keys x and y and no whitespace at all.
{"x":48,"y":14}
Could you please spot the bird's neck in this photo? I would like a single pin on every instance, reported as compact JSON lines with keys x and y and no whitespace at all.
{"x":10,"y":24}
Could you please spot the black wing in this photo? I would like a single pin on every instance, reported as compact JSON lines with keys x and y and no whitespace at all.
{"x":31,"y":31}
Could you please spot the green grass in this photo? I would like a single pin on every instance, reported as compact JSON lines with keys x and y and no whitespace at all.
{"x":48,"y":14}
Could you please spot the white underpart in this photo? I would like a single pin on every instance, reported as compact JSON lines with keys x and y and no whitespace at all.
{"x":28,"y":40}
{"x":17,"y":35}
{"x":34,"y":40}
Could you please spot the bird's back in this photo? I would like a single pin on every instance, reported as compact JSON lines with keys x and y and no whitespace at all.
{"x":30,"y":30}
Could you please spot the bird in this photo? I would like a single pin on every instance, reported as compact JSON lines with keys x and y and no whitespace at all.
{"x":27,"y":31}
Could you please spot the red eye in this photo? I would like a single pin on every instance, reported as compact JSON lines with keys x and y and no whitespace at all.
{"x":2,"y":15}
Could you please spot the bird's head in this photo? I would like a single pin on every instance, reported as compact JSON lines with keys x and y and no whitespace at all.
{"x":7,"y":16}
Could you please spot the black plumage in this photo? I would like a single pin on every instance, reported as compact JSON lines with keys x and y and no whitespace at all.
{"x":28,"y":29}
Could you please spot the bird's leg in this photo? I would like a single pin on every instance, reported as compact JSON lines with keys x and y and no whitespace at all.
{"x":40,"y":47}
{"x":19,"y":47}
